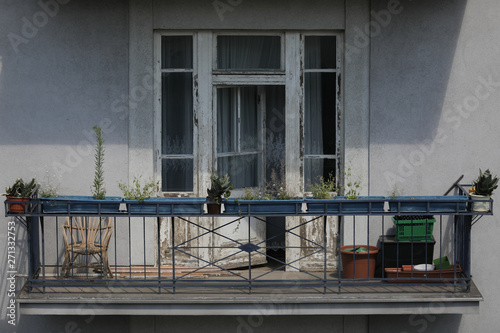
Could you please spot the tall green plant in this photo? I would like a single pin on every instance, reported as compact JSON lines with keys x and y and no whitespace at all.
{"x":98,"y":186}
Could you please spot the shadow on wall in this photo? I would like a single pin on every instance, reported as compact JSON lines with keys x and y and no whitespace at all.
{"x":62,"y":65}
{"x":411,"y":59}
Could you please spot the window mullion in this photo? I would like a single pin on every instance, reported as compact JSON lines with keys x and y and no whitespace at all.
{"x":238,"y":122}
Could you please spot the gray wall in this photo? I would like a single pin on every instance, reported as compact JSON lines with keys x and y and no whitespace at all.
{"x":432,"y":118}
{"x":63,"y":69}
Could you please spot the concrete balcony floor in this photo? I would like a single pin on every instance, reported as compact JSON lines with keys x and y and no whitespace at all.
{"x":223,"y":293}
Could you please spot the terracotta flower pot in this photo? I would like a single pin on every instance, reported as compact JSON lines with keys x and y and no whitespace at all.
{"x":358,"y":265}
{"x":17,"y":208}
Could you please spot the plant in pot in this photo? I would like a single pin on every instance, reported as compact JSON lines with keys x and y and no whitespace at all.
{"x":137,"y":193}
{"x":276,"y":188}
{"x":483,"y":188}
{"x":351,"y":193}
{"x":220,"y":188}
{"x":323,"y":189}
{"x":20,"y":191}
{"x":278,"y":196}
{"x":98,"y":190}
{"x":272,"y":198}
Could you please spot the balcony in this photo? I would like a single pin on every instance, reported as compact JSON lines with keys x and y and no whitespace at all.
{"x":166,"y":260}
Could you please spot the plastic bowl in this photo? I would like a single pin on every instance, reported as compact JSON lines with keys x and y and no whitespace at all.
{"x":424,"y":267}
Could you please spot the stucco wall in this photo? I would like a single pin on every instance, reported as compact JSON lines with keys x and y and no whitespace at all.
{"x":434,"y":96}
{"x":63,"y":69}
{"x":434,"y":80}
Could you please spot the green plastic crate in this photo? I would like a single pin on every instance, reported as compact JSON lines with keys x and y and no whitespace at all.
{"x":417,"y":228}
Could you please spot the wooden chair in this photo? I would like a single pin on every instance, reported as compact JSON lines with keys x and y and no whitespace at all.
{"x":88,"y":237}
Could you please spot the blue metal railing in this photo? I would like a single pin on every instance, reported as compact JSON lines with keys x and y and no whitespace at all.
{"x":454,"y":218}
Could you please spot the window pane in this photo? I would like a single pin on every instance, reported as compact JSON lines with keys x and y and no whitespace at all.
{"x":249,"y":119}
{"x":275,"y":129}
{"x":177,"y":175}
{"x":318,"y":167}
{"x":227,"y":120}
{"x":177,"y":52}
{"x":320,"y":52}
{"x":243,"y":169}
{"x":320,"y":129}
{"x":248,"y":52}
{"x":177,"y":113}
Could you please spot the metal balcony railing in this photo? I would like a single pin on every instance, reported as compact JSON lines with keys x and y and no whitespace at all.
{"x":175,"y":247}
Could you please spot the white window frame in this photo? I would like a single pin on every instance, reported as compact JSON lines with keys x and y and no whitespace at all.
{"x":158,"y":111}
{"x":221,"y":78}
{"x":339,"y":101}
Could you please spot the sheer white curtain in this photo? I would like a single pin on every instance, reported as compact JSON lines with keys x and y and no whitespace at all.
{"x":320,"y":123}
{"x":313,"y":128}
{"x":238,"y":144}
{"x":248,"y":52}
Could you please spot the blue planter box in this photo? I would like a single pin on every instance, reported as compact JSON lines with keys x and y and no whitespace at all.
{"x":242,"y":207}
{"x":434,"y":204}
{"x":344,"y":205}
{"x":166,"y":206}
{"x":80,"y":204}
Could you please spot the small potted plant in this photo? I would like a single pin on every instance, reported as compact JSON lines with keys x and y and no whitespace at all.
{"x":19,"y":191}
{"x":137,"y":193}
{"x":272,"y":198}
{"x":220,"y":188}
{"x":482,"y":190}
{"x":351,"y":200}
{"x":323,"y":189}
{"x":87,"y":204}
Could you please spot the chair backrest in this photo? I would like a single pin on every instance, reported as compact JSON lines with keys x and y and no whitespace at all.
{"x":88,"y":231}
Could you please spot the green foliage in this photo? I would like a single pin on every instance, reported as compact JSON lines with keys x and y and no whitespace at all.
{"x":395,"y":192}
{"x":20,"y":188}
{"x":48,"y":191}
{"x":351,"y":188}
{"x":323,"y":188}
{"x":98,"y":186}
{"x":274,"y":189}
{"x":48,"y":188}
{"x":220,"y":188}
{"x":277,"y":188}
{"x":139,"y":192}
{"x":251,"y":194}
{"x":357,"y":249}
{"x":485,"y":183}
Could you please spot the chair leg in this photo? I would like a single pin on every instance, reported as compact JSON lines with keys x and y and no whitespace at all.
{"x":106,"y":267}
{"x":65,"y":264}
{"x":71,"y":263}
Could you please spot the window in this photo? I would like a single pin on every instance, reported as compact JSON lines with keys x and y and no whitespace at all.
{"x":320,"y":100}
{"x":239,"y":150}
{"x":248,"y":79}
{"x":248,"y":52}
{"x":177,"y":113}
